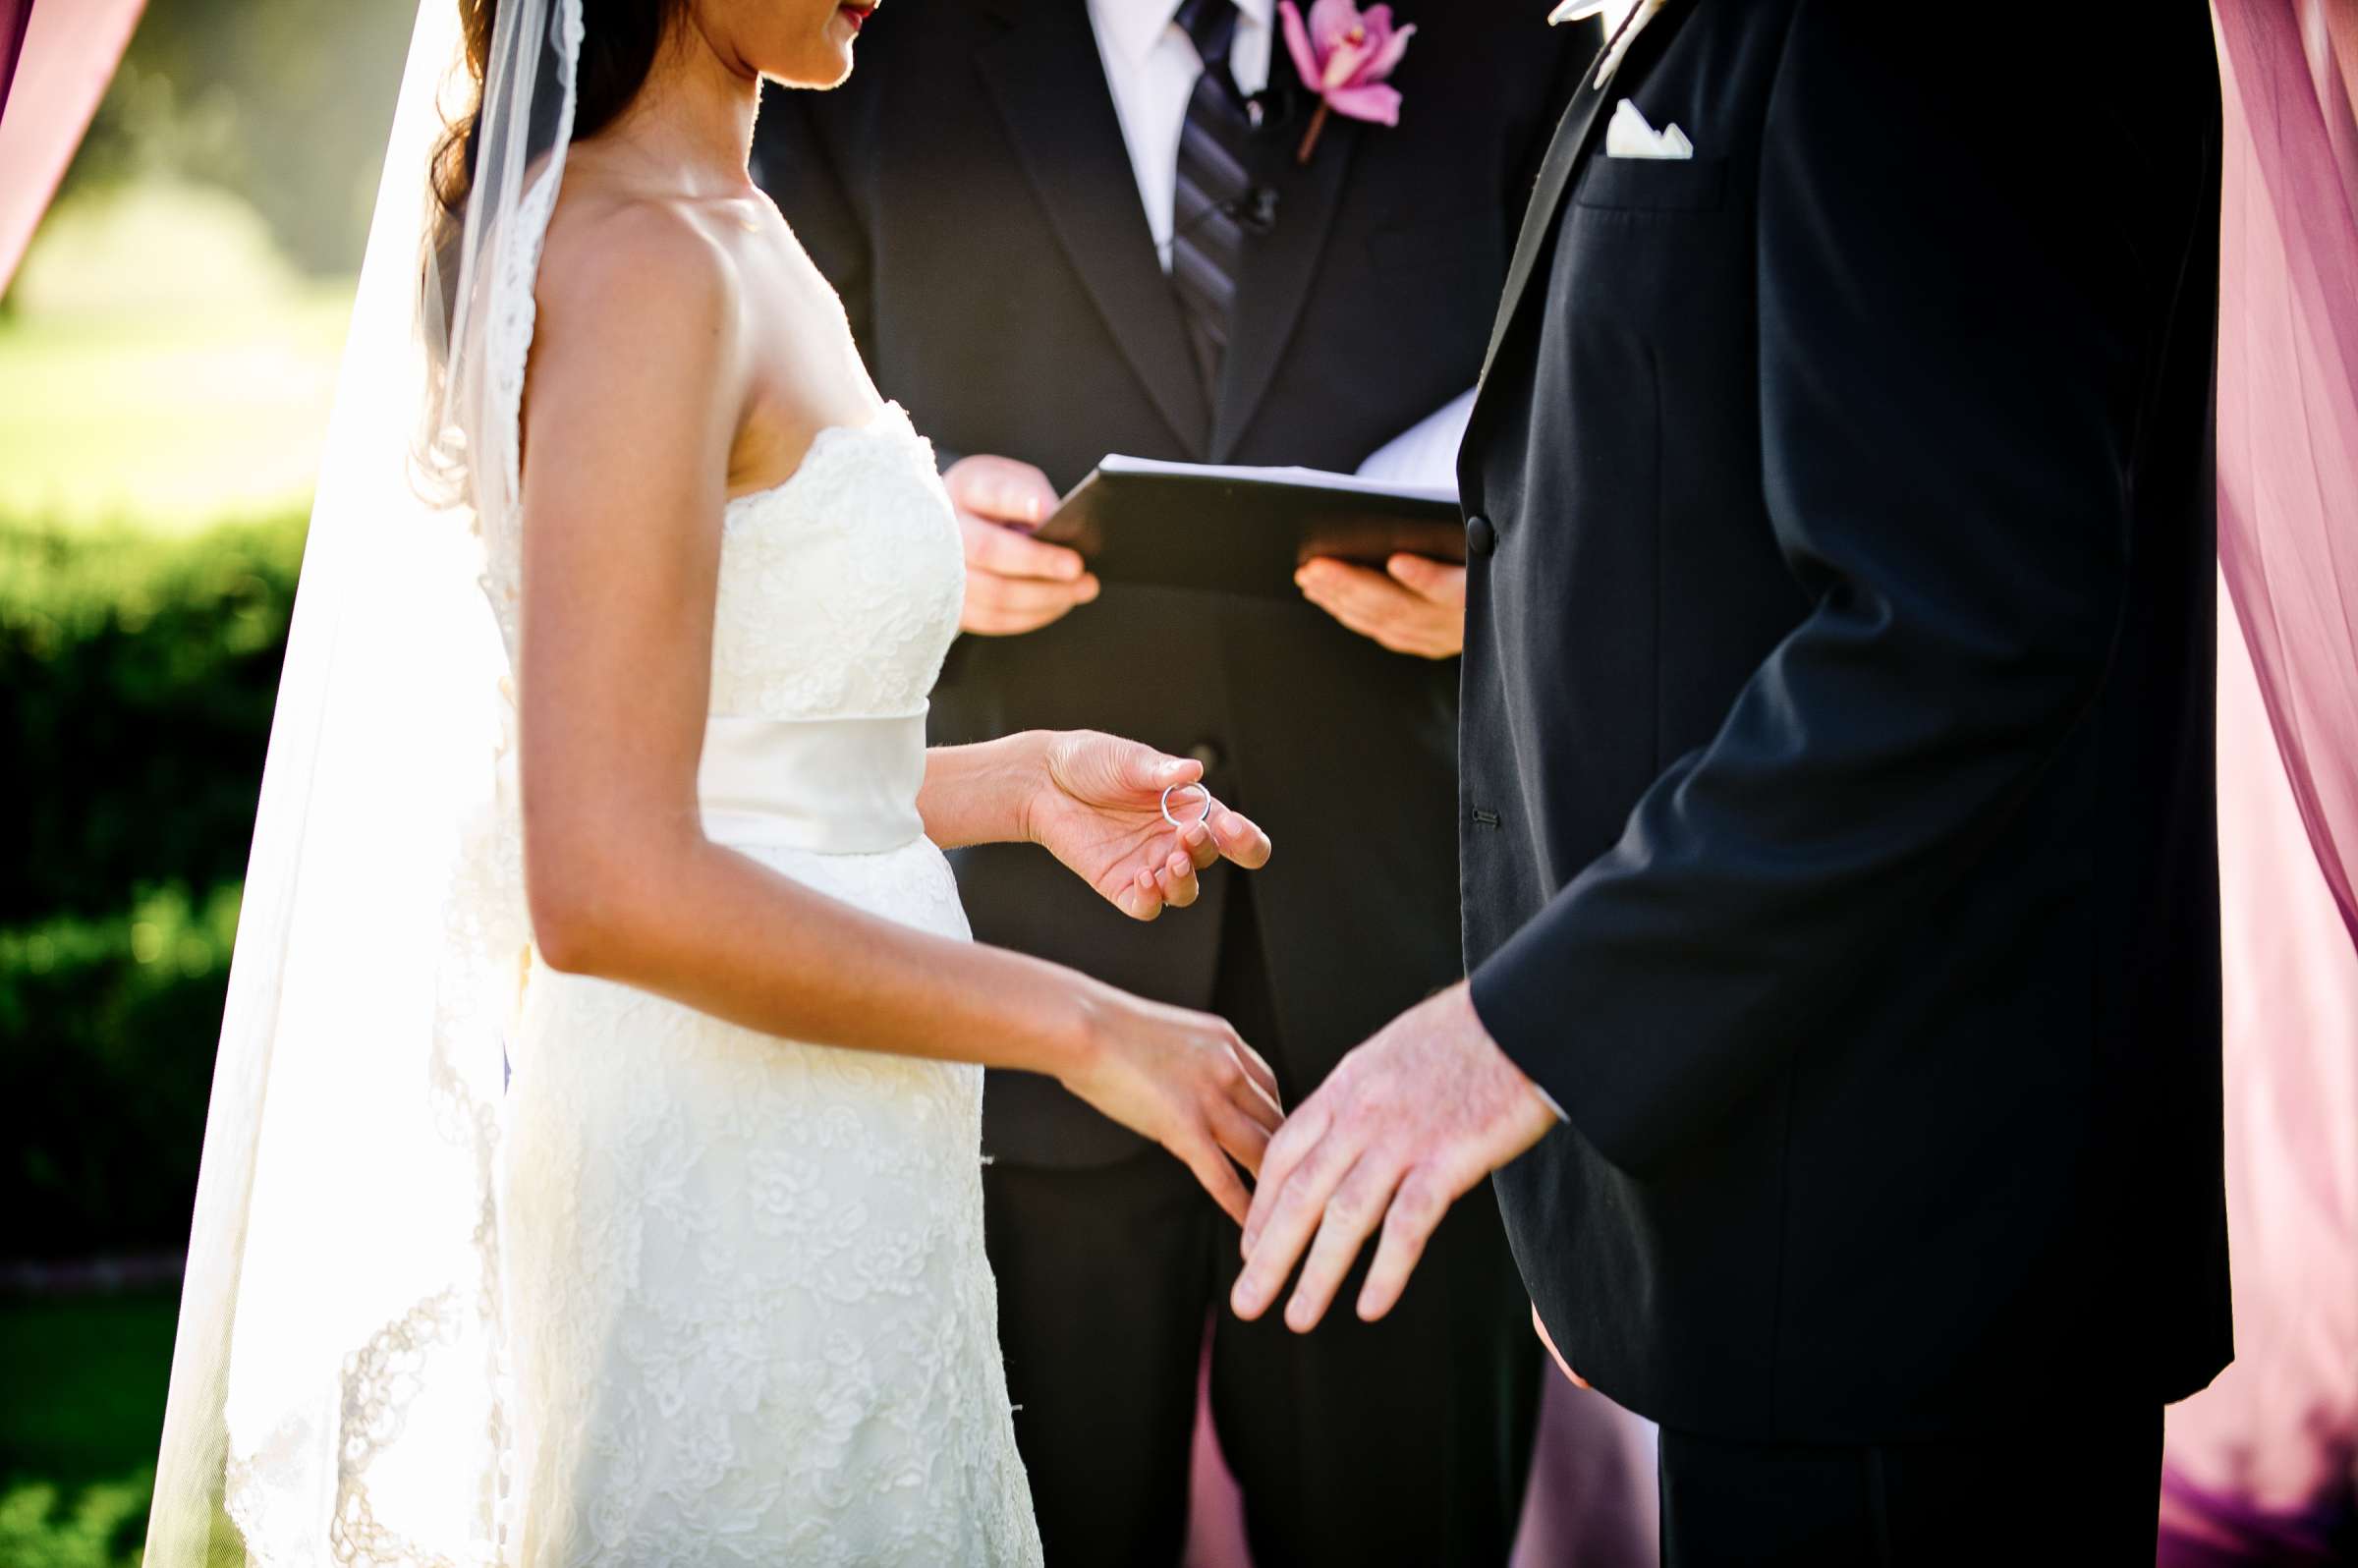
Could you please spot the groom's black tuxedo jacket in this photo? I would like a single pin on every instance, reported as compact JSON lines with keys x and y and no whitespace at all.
{"x":1837,"y":819}
{"x":970,"y":194}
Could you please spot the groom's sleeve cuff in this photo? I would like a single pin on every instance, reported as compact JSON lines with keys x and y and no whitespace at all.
{"x":1529,"y":997}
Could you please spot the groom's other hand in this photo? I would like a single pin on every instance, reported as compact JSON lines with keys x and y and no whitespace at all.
{"x":1013,"y":581}
{"x":1414,"y":605}
{"x":1397,"y":1133}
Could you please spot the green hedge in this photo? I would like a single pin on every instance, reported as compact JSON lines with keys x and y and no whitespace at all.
{"x":137,"y":677}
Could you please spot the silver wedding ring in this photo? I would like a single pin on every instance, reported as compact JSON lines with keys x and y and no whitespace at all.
{"x":1167,"y":803}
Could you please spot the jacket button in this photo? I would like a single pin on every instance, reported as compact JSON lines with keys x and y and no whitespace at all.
{"x":1481,"y":538}
{"x":1206,"y":752}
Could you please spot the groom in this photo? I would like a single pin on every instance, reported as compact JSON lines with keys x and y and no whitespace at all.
{"x":1836,"y":809}
{"x":1065,"y":228}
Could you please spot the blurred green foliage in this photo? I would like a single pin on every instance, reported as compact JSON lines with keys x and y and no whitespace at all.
{"x":100,"y":1528}
{"x":283,"y":102}
{"x":81,"y":1399}
{"x":107,"y":1029}
{"x":137,"y":679}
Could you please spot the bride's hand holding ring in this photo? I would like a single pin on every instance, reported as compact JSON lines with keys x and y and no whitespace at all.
{"x":1132,"y":822}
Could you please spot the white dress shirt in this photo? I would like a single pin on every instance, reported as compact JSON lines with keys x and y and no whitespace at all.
{"x":1621,"y":27}
{"x":1151,"y":65}
{"x":1151,"y":68}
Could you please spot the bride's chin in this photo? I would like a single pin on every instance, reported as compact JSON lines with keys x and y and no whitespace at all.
{"x":819,"y":76}
{"x":843,"y":37}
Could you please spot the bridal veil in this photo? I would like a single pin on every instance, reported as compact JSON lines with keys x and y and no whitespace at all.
{"x":336,"y":1380}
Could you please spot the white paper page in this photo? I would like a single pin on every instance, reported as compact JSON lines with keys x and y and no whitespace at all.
{"x":1424,"y":455}
{"x":1312,"y":479}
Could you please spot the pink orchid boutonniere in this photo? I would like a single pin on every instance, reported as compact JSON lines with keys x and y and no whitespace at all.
{"x":1344,"y":56}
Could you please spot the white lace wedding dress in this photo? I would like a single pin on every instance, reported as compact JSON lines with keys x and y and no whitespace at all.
{"x":748,"y":1316}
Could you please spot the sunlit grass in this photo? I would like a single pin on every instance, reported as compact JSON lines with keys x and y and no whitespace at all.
{"x":173,"y":417}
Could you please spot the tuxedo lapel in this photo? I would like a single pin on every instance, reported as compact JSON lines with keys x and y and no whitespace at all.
{"x":1566,"y":154}
{"x":1047,"y":78}
{"x":1275,"y":280}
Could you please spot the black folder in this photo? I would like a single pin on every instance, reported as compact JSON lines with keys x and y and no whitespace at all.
{"x":1243,"y":529}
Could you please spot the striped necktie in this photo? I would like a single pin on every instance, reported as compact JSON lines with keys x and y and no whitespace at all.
{"x":1206,"y":238}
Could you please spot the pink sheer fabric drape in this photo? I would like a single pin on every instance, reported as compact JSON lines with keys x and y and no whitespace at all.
{"x":2288,"y":394}
{"x":2262,"y":1467}
{"x":69,"y":55}
{"x":13,"y":15}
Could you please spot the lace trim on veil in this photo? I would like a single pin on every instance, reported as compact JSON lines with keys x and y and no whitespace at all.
{"x":507,"y":348}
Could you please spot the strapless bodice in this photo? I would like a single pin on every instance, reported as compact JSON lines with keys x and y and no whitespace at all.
{"x":839,"y":596}
{"x":839,"y":588}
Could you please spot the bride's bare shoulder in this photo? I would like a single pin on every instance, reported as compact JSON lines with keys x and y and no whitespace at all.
{"x":619,"y":270}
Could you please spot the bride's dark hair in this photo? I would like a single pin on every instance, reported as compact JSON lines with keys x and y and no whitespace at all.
{"x":620,"y":42}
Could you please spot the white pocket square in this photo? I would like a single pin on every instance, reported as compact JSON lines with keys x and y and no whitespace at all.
{"x":1628,"y":136}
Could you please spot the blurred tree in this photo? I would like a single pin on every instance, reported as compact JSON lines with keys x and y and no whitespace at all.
{"x":283,"y":102}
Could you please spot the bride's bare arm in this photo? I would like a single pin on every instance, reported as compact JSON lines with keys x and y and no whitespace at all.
{"x":634,"y":396}
{"x":1096,"y":803}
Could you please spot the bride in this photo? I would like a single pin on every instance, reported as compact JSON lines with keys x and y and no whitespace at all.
{"x":704,"y":1281}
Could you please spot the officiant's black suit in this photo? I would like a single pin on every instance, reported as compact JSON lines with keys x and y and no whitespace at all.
{"x":1837,"y":821}
{"x":970,"y":194}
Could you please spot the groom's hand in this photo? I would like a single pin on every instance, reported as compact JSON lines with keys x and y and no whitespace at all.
{"x":1414,"y":605}
{"x":1397,"y":1133}
{"x":1013,"y":581}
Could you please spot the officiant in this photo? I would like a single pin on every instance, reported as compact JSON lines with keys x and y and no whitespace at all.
{"x":1065,"y":228}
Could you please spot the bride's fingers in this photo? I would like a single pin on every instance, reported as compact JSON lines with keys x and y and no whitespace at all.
{"x":1240,"y":839}
{"x":1234,"y":1130}
{"x":1141,"y":899}
{"x":1218,"y":1176}
{"x":1151,"y":772}
{"x":1264,"y":1079}
{"x":1256,"y":1102}
{"x":1176,"y":879}
{"x":1198,"y":844}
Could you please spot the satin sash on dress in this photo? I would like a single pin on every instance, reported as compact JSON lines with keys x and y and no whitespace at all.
{"x":832,"y":786}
